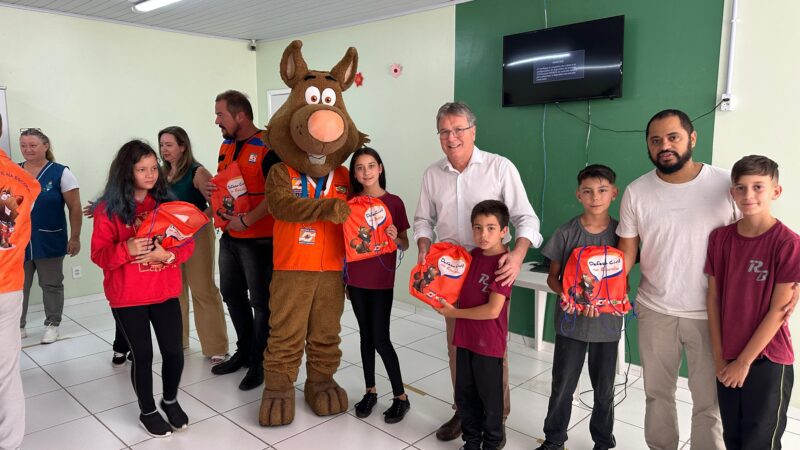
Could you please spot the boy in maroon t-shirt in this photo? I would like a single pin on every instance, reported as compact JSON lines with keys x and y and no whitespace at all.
{"x":752,"y":266}
{"x":481,"y":331}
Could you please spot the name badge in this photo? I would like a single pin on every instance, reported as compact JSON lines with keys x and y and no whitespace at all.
{"x":308,"y":236}
{"x":252,"y":158}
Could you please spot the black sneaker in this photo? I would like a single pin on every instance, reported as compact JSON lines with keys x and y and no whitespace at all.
{"x":155,"y":425}
{"x":175,"y":415}
{"x":397,"y":411}
{"x":550,"y":445}
{"x":234,"y":363}
{"x":118,"y":360}
{"x":252,"y":379}
{"x":364,"y":407}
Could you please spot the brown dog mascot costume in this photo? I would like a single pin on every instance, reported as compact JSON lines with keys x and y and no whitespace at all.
{"x":313,"y":135}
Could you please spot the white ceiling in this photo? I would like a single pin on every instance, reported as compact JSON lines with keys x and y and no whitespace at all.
{"x":240,"y":19}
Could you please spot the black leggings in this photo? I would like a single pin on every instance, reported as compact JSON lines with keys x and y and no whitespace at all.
{"x":134,"y":324}
{"x":373,"y":309}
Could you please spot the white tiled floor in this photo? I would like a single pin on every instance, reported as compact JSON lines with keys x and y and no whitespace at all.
{"x":75,"y":399}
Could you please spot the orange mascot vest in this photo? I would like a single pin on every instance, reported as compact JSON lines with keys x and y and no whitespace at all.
{"x":316,"y":246}
{"x":249,"y":160}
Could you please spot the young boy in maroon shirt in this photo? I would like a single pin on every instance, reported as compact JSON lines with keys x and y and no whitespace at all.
{"x":481,"y":331}
{"x":752,"y":266}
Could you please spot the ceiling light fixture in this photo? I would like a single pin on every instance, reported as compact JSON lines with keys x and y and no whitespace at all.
{"x":150,"y":5}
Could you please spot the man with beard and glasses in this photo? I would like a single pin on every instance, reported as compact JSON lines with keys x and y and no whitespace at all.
{"x":245,"y":248}
{"x":670,"y":211}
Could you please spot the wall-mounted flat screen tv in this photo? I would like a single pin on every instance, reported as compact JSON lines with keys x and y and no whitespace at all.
{"x":571,"y":62}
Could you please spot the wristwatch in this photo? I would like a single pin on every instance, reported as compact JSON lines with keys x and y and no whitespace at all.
{"x":170,"y":259}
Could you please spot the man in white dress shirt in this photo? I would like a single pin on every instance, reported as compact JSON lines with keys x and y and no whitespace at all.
{"x":451,"y":187}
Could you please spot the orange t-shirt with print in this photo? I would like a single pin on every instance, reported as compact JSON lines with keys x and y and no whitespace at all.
{"x":18,"y":191}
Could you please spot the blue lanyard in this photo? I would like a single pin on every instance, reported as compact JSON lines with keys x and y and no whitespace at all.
{"x":318,"y":191}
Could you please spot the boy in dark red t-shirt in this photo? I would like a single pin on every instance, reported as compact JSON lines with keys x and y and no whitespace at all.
{"x":481,"y":331}
{"x":752,"y":267}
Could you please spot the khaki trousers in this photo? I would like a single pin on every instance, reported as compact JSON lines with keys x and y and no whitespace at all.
{"x":209,"y":315}
{"x":661,"y":339}
{"x":451,"y":356}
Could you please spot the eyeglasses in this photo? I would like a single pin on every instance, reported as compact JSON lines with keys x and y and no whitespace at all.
{"x":457,"y":132}
{"x":24,"y":131}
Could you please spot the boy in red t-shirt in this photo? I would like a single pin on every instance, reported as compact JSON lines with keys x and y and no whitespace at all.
{"x":752,"y":266}
{"x":481,"y":331}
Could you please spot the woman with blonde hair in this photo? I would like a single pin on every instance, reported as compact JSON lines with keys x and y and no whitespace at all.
{"x":49,"y":243}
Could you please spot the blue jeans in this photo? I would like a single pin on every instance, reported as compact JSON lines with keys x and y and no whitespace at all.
{"x":567,"y":364}
{"x":245,"y":267}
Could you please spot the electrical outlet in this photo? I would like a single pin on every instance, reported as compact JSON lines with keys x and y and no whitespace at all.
{"x":77,"y":272}
{"x":726,"y":103}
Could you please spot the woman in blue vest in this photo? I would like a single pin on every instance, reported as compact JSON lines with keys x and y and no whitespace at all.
{"x":49,"y":243}
{"x":184,"y":174}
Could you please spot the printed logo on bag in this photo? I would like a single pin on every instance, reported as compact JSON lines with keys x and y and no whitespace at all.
{"x":451,"y":267}
{"x":236,"y":187}
{"x":603,"y":266}
{"x":253,"y":157}
{"x":375,"y":216}
{"x":172,"y":231}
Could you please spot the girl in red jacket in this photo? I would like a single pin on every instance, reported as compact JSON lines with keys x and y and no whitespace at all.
{"x":142,"y":280}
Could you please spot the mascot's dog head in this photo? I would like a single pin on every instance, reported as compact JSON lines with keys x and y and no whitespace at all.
{"x":312,"y":132}
{"x":8,"y":205}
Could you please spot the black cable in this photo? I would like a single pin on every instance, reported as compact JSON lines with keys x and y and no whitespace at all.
{"x":590,"y":124}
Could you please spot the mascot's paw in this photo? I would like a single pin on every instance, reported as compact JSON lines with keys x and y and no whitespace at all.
{"x":325,"y":397}
{"x":341,"y":211}
{"x":277,"y":408}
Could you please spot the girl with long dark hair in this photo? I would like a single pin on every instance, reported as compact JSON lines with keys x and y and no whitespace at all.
{"x":142,"y":280}
{"x":370,"y":287}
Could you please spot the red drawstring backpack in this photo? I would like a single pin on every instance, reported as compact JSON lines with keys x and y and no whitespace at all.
{"x":595,"y":275}
{"x":442,"y":275}
{"x":230,"y":197}
{"x":365,"y":230}
{"x":172,"y":223}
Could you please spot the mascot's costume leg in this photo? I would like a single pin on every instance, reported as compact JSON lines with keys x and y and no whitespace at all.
{"x":313,"y":135}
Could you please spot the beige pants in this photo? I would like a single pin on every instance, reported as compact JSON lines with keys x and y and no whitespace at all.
{"x":451,"y":356}
{"x":209,"y":316}
{"x":661,"y":338}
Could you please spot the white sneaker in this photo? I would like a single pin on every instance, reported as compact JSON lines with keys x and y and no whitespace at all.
{"x":217,"y":359}
{"x":50,"y":334}
{"x":23,"y":334}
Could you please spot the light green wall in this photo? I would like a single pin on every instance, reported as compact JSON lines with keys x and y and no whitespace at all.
{"x":767,"y":102}
{"x":398,"y":114}
{"x":91,"y":86}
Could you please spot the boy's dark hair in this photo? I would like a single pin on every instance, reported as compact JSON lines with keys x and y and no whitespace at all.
{"x":236,"y":102}
{"x":754,"y":165}
{"x":491,"y":208}
{"x":686,"y":122}
{"x":597,"y":171}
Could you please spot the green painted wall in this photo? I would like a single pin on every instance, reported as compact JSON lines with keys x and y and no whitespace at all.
{"x":671,"y":59}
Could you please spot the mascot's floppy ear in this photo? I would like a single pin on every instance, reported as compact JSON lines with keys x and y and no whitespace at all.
{"x":345,"y":70}
{"x":293,"y":66}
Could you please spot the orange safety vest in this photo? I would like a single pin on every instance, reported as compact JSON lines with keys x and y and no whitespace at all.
{"x":250,"y":158}
{"x":317,"y":246}
{"x":18,"y":191}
